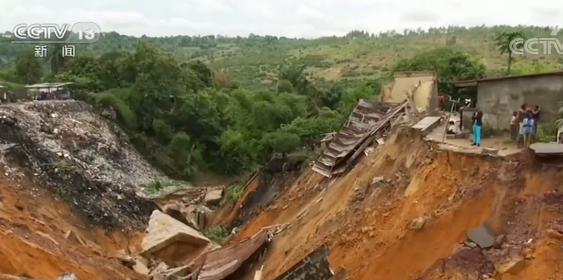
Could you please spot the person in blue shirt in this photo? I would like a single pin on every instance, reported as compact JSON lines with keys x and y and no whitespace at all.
{"x":529,"y":126}
{"x":477,"y":124}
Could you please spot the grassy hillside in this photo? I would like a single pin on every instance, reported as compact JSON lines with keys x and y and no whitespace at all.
{"x":254,"y":61}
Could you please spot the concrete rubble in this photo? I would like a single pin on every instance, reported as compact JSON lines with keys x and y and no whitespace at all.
{"x":482,"y":235}
{"x":167,"y":237}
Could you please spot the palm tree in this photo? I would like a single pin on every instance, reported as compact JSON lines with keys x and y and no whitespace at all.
{"x":55,"y":58}
{"x":502,"y":42}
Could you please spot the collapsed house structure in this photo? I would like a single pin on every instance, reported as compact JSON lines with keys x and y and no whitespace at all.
{"x":408,"y":94}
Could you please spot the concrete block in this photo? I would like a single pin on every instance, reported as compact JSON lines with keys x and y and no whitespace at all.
{"x":164,"y":231}
{"x":482,"y":236}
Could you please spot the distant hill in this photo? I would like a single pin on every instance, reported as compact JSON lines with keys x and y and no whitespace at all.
{"x":254,"y":60}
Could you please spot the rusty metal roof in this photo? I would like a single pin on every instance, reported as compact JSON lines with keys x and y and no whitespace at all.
{"x":470,"y":83}
{"x":223,"y":262}
{"x":364,"y":121}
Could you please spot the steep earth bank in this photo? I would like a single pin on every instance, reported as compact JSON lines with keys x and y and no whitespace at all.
{"x":72,"y":192}
{"x":367,"y":217}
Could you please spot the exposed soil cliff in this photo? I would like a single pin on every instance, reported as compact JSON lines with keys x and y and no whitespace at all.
{"x":403,"y":213}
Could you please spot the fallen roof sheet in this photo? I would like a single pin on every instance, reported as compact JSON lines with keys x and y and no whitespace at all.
{"x":365,"y":120}
{"x":547,"y":148}
{"x":223,"y":262}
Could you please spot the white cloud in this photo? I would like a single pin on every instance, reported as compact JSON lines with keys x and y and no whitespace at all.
{"x":291,"y":18}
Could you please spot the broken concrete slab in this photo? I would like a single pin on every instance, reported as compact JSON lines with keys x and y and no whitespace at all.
{"x":482,"y":235}
{"x":511,"y":265}
{"x":489,"y":151}
{"x":164,"y":231}
{"x":178,"y":272}
{"x":427,"y":124}
{"x":140,"y":268}
{"x":213,"y":197}
{"x":159,"y":269}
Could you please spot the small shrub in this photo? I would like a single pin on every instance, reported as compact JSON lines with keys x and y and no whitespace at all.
{"x":64,"y":165}
{"x":546,"y":133}
{"x":156,"y":186}
{"x":234,"y":193}
{"x":216,"y":234}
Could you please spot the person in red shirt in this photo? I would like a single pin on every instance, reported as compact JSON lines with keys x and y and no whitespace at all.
{"x":440,"y":100}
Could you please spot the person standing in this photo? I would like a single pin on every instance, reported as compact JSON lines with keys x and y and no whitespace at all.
{"x":522,"y":112}
{"x":477,"y":125}
{"x":528,"y":124}
{"x":514,"y":126}
{"x":536,"y":116}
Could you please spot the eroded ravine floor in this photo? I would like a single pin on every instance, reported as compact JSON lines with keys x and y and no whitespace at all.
{"x":367,"y":225}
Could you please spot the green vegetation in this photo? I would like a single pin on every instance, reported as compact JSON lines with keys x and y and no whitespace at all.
{"x":216,"y":234}
{"x":234,"y":193}
{"x":226,"y":105}
{"x":157,"y":185}
{"x":64,"y":165}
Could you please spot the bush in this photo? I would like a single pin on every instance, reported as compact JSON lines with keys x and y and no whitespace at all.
{"x":234,"y":193}
{"x":216,"y":234}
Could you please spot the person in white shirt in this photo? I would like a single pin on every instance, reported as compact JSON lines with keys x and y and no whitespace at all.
{"x":452,"y":128}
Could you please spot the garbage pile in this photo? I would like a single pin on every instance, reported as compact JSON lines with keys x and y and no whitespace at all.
{"x":83,"y":158}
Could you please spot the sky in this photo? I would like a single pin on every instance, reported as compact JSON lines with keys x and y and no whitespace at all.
{"x":290,"y":18}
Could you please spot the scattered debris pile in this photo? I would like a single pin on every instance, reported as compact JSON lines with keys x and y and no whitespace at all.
{"x":194,"y":206}
{"x":314,"y":267}
{"x":173,"y":250}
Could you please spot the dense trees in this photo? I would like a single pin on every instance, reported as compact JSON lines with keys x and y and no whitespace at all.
{"x":186,"y":119}
{"x":228,"y":104}
{"x":449,"y":63}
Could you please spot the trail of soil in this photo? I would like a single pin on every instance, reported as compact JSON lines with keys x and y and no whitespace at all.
{"x":367,"y":225}
{"x":32,"y":238}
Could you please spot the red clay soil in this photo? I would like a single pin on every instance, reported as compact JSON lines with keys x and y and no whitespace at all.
{"x":367,"y":225}
{"x":227,"y":214}
{"x":32,"y":242}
